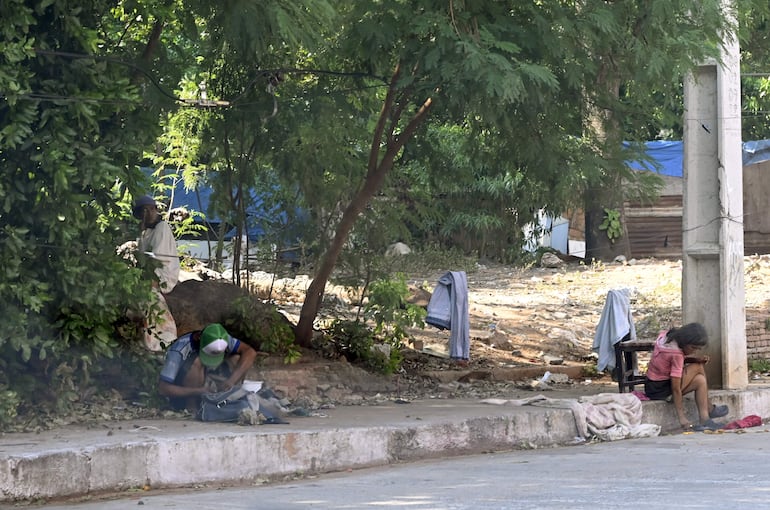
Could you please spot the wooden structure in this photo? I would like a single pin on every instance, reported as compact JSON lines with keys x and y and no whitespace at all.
{"x":655,"y":230}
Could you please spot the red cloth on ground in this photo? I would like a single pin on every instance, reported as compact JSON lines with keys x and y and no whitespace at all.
{"x":751,"y":420}
{"x":640,"y":395}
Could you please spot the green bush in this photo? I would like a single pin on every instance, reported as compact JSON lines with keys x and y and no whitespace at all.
{"x":63,"y":286}
{"x":391,"y":313}
{"x":377,"y":348}
{"x":9,"y":407}
{"x":355,"y":341}
{"x":262,"y":327}
{"x":761,"y":366}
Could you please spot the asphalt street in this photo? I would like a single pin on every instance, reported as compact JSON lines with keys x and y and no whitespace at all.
{"x":697,"y":470}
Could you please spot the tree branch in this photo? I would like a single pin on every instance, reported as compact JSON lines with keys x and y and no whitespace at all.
{"x":374,"y":153}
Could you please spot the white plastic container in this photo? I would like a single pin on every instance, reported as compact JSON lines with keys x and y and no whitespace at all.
{"x":253,"y":386}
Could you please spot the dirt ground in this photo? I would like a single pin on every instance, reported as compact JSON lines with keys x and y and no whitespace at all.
{"x":528,"y":321}
{"x":524,"y":322}
{"x":530,"y":316}
{"x":539,"y":315}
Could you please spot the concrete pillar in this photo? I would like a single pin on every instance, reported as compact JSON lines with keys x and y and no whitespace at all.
{"x":713,"y":280}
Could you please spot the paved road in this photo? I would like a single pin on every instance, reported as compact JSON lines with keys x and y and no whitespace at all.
{"x":729,"y":470}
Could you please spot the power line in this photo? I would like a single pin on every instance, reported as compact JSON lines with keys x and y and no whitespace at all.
{"x":274,"y":75}
{"x":199,"y":103}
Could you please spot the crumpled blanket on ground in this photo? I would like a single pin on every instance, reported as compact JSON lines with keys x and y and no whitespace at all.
{"x":607,"y":416}
{"x":751,"y":420}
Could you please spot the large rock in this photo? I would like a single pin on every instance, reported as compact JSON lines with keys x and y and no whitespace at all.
{"x":195,"y":304}
{"x":397,"y":249}
{"x":551,"y":260}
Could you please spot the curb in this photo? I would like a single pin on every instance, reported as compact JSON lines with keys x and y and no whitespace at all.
{"x":164,"y":454}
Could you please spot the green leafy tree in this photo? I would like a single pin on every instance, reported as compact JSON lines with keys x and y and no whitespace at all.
{"x":755,"y":81}
{"x":71,"y":116}
{"x":534,"y":74}
{"x":638,"y":53}
{"x":461,"y":60}
{"x":239,"y":71}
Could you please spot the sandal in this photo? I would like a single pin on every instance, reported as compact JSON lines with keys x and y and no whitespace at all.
{"x":718,"y":411}
{"x":708,"y":425}
{"x":274,"y":420}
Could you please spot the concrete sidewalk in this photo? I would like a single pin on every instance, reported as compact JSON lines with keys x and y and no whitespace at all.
{"x":118,"y":456}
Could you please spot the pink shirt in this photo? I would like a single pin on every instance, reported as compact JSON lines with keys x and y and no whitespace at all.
{"x":667,"y":360}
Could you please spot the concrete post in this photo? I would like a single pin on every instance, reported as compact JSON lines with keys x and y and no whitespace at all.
{"x":713,"y":289}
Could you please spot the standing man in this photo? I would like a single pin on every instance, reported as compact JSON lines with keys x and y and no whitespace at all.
{"x":157,"y":242}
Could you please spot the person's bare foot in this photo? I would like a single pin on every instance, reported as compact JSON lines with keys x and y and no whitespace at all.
{"x":461,"y":362}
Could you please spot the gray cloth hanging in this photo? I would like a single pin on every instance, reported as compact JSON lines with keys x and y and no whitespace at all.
{"x":448,"y":309}
{"x":615,"y":323}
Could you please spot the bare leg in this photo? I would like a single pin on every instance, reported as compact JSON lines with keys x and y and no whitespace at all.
{"x":694,"y":379}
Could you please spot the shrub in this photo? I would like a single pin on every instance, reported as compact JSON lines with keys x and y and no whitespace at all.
{"x":262,"y":327}
{"x":357,"y":342}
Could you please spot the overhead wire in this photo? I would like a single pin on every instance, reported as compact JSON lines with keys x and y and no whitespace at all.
{"x":197,"y":103}
{"x":85,"y":56}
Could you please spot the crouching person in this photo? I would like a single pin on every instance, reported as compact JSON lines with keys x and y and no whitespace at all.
{"x":203,"y":363}
{"x":675,"y":371}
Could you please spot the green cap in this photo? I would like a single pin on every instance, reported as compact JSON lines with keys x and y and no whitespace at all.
{"x":213,"y":345}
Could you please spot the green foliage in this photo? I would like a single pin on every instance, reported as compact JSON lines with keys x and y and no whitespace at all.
{"x":761,"y":366}
{"x":262,"y":327}
{"x":611,"y":224}
{"x":590,"y":370}
{"x":755,"y":84}
{"x":391,"y":313}
{"x":476,"y":187}
{"x":68,"y":132}
{"x":9,"y":406}
{"x":228,"y":148}
{"x":355,"y":341}
{"x":378,"y":348}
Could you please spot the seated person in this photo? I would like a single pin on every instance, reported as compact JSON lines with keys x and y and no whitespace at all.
{"x":200,"y":353}
{"x":673,"y":371}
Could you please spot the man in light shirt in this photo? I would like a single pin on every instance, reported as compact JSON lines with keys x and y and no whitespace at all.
{"x":157,"y":242}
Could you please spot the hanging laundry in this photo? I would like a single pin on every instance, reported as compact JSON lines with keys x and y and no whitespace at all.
{"x":614,"y":324}
{"x":448,"y":309}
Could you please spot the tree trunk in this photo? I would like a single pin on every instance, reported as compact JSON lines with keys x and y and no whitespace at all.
{"x":377,"y":170}
{"x":608,"y":191}
{"x":598,"y":245}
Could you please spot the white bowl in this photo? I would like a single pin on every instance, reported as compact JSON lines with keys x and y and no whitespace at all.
{"x":253,"y":386}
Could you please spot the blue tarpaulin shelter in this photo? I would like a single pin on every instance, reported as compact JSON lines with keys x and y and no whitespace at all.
{"x":756,"y":152}
{"x":263,"y":216}
{"x":667,"y":157}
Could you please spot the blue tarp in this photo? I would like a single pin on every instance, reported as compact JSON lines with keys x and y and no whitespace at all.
{"x":667,"y":157}
{"x":756,"y":152}
{"x":261,"y":219}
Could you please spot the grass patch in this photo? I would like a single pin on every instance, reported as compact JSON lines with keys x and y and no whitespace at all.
{"x":759,"y":365}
